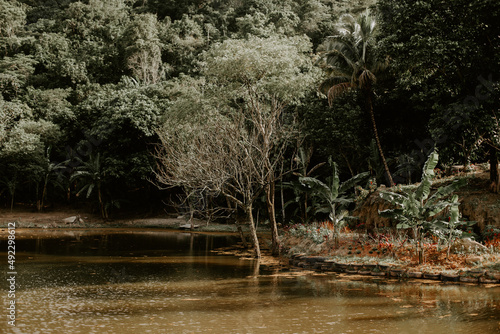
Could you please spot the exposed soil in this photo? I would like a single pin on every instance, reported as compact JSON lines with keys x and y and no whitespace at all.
{"x":72,"y":218}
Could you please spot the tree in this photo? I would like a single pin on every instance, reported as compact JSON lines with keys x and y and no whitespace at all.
{"x":143,"y":49}
{"x":90,"y":173}
{"x":119,"y":122}
{"x":252,"y":82}
{"x":49,"y":175}
{"x":12,"y":21}
{"x":15,"y":73}
{"x":444,"y":55}
{"x":23,"y":141}
{"x":267,"y":74}
{"x":349,"y":60}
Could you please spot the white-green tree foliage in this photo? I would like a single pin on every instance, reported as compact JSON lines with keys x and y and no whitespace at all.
{"x":271,"y":67}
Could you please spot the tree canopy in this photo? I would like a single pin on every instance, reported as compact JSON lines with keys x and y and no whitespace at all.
{"x":95,"y":83}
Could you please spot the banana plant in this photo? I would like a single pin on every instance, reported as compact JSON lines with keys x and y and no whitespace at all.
{"x":416,"y":208}
{"x":448,"y":229}
{"x":333,"y":196}
{"x":301,"y":199}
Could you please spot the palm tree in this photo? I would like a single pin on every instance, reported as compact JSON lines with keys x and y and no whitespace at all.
{"x":92,"y":176}
{"x":351,"y":65}
{"x":50,"y":169}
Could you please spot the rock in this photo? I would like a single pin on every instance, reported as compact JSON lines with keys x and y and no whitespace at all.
{"x":468,"y":245}
{"x":72,"y":220}
{"x":187,"y":226}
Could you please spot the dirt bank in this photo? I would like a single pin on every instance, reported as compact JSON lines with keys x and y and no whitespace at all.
{"x":477,"y":204}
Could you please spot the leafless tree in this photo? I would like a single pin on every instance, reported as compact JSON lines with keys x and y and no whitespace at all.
{"x":220,"y":157}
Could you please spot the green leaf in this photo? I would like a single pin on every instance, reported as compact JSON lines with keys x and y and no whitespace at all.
{"x":346,"y":185}
{"x":82,"y":189}
{"x":391,"y":213}
{"x":424,"y":188}
{"x":317,"y":187}
{"x":445,"y":191}
{"x":393,"y":198}
{"x":454,"y":211}
{"x":343,"y":202}
{"x":91,"y":187}
{"x":334,"y":189}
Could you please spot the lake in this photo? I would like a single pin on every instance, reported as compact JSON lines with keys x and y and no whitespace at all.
{"x":157,"y":281}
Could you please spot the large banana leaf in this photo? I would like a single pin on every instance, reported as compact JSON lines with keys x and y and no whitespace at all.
{"x":424,"y":188}
{"x":445,"y":191}
{"x":454,"y":211}
{"x":433,"y":210}
{"x":346,"y":185}
{"x":317,"y":187}
{"x":334,"y":188}
{"x":391,"y":213}
{"x":394,"y":198}
{"x":343,"y":202}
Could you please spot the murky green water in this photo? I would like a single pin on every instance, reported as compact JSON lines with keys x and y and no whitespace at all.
{"x":161,"y":282}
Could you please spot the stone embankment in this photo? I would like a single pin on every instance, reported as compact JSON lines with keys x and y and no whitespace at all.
{"x":324,"y":264}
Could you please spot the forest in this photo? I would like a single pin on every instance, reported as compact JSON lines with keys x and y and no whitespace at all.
{"x":221,"y":106}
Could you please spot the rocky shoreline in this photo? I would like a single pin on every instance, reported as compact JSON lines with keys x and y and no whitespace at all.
{"x":327,"y":265}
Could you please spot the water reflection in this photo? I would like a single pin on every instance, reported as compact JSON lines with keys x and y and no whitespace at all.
{"x":146,"y":282}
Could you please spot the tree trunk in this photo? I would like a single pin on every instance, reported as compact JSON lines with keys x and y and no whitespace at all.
{"x":44,"y":192}
{"x":253,"y":232}
{"x":333,"y":218}
{"x":242,"y":235}
{"x":12,"y":201}
{"x":494,"y":175}
{"x":270,"y":196}
{"x":369,"y":106}
{"x":191,"y":213}
{"x":305,"y":207}
{"x":419,"y":244}
{"x":12,"y":190}
{"x":101,"y":204}
{"x":282,"y":191}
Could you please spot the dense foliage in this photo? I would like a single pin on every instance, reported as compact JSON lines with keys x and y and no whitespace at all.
{"x":86,"y":86}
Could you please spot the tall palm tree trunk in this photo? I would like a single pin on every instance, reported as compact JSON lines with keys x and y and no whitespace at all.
{"x":369,"y":106}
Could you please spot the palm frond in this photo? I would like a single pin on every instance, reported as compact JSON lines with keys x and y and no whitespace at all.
{"x":349,"y":51}
{"x":328,"y":83}
{"x":337,"y":90}
{"x":367,"y":79}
